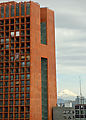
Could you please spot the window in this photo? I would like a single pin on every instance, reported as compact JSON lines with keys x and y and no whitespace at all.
{"x":12,"y":70}
{"x":11,"y":109}
{"x":28,"y":69}
{"x":22,"y":9}
{"x":17,"y":39}
{"x":44,"y":88}
{"x":7,"y":46}
{"x":6,"y":103}
{"x":7,"y":11}
{"x":12,"y":64}
{"x":17,"y":95}
{"x":27,"y":95}
{"x":1,"y":96}
{"x":2,"y":40}
{"x":27,"y":109}
{"x":22,"y":70}
{"x":17,"y":89}
{"x":22,"y":20}
{"x":22,"y":83}
{"x":1,"y":90}
{"x":12,"y":77}
{"x":28,"y":82}
{"x":22,"y":115}
{"x":12,"y":10}
{"x":11,"y":115}
{"x":28,"y":64}
{"x":17,"y":33}
{"x":27,"y":115}
{"x":11,"y":83}
{"x":1,"y":102}
{"x":11,"y":102}
{"x":6,"y":77}
{"x":6,"y":109}
{"x":1,"y":83}
{"x":2,"y":22}
{"x":22,"y":26}
{"x":28,"y":32}
{"x":22,"y":95}
{"x":27,"y":102}
{"x":16,"y":115}
{"x":17,"y":27}
{"x":43,"y":33}
{"x":28,"y":9}
{"x":7,"y":40}
{"x":22,"y":102}
{"x":17,"y":102}
{"x":2,"y":11}
{"x":28,"y":19}
{"x":12,"y":34}
{"x":6,"y":96}
{"x":28,"y":76}
{"x":17,"y":20}
{"x":1,"y":77}
{"x":17,"y":76}
{"x":12,"y":27}
{"x":11,"y":96}
{"x":28,"y":89}
{"x":12,"y":58}
{"x":12,"y":39}
{"x":6,"y":115}
{"x":0,"y":109}
{"x":22,"y":89}
{"x":17,"y":70}
{"x":28,"y":45}
{"x":22,"y":76}
{"x":17,"y":9}
{"x":16,"y":109}
{"x":6,"y":83}
{"x":12,"y":89}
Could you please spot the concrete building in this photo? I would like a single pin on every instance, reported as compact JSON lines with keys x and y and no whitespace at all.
{"x":63,"y":113}
{"x":27,"y":62}
{"x":68,"y":104}
{"x":80,"y":112}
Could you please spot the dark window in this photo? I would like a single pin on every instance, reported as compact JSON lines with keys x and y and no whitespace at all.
{"x":28,"y":9}
{"x":43,"y":33}
{"x":44,"y":88}
{"x":12,"y":10}
{"x":6,"y":115}
{"x":7,"y":11}
{"x":17,"y":9}
{"x":22,"y":9}
{"x":2,"y":11}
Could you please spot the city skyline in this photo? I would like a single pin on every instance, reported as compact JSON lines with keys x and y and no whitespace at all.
{"x":70,"y":42}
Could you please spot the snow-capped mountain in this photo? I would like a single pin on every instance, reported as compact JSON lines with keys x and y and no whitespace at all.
{"x":66,"y":95}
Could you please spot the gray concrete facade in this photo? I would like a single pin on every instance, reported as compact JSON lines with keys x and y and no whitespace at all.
{"x":63,"y":113}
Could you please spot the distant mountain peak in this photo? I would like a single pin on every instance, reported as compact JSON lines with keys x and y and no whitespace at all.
{"x":66,"y":94}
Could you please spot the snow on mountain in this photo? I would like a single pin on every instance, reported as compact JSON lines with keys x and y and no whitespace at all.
{"x":67,"y":95}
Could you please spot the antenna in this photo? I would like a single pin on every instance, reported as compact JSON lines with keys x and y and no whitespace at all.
{"x":80,"y":87}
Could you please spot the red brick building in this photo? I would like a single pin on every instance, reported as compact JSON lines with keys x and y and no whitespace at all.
{"x":27,"y":62}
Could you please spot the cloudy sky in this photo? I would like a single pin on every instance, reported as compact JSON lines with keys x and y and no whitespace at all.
{"x":70,"y":26}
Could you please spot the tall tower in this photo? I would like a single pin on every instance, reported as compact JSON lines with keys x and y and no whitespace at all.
{"x":27,"y":62}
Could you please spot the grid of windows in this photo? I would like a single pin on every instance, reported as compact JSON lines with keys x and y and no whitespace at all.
{"x":44,"y":89}
{"x":18,"y":7}
{"x":14,"y":65}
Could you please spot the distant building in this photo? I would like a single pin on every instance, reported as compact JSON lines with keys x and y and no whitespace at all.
{"x":80,"y":112}
{"x":63,"y":113}
{"x":68,"y":104}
